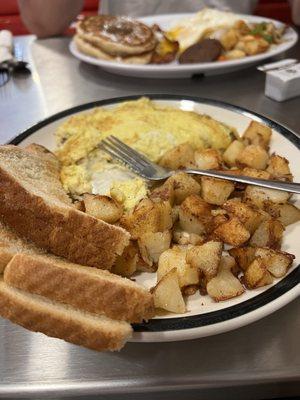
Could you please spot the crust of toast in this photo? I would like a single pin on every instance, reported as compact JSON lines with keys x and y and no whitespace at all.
{"x":55,"y":320}
{"x":84,"y":288}
{"x":30,"y":205}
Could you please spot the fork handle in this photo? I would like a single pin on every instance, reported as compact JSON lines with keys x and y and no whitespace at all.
{"x":270,"y":184}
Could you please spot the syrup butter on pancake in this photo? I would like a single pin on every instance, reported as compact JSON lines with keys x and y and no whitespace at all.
{"x":116,"y":36}
{"x":144,"y":125}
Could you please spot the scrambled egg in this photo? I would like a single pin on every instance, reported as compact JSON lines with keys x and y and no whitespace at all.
{"x":143,"y":125}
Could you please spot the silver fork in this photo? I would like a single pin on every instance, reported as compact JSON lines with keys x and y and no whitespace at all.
{"x":142,"y":166}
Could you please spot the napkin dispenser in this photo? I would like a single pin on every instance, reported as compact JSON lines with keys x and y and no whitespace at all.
{"x":282,"y":79}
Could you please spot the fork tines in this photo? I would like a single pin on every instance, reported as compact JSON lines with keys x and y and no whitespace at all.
{"x":125,"y":154}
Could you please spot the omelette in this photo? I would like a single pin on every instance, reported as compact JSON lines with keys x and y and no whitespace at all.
{"x":149,"y":128}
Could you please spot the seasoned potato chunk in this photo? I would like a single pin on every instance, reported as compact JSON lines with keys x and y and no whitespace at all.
{"x":148,"y":216}
{"x":216,"y":191}
{"x":243,"y":256}
{"x":232,"y":232}
{"x":249,"y":217}
{"x":258,"y":134}
{"x":235,"y":54}
{"x":277,"y":262}
{"x":176,"y":258}
{"x":207,"y":159}
{"x":153,"y":244}
{"x":194,"y":214}
{"x":184,"y":238}
{"x":167,"y":294}
{"x":257,"y":274}
{"x":102,"y":207}
{"x":225,"y":285}
{"x":184,"y":186}
{"x":259,"y":196}
{"x":253,"y":156}
{"x":279,"y":168}
{"x":286,"y":213}
{"x":232,"y":152}
{"x":165,"y":192}
{"x":205,"y":258}
{"x":268,"y":234}
{"x":126,"y":263}
{"x":181,"y":156}
{"x":253,"y":45}
{"x":229,"y":39}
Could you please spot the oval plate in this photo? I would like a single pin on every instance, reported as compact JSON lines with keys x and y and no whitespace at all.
{"x":204,"y":317}
{"x":175,"y":70}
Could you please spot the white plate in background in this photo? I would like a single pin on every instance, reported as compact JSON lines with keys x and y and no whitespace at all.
{"x":176,"y":70}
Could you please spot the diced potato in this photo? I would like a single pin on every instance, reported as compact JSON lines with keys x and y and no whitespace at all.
{"x":165,"y":192}
{"x":243,"y":256}
{"x":194,"y":214}
{"x":258,"y":134}
{"x":255,"y":173}
{"x":207,"y":159}
{"x":175,"y":214}
{"x":126,"y":264}
{"x":205,"y":258}
{"x":286,"y":213}
{"x":232,"y":152}
{"x":148,"y":216}
{"x":167,"y":294}
{"x":259,"y":196}
{"x":235,"y":54}
{"x":232,"y":232}
{"x":79,"y":205}
{"x":229,"y":39}
{"x":176,"y":258}
{"x":241,"y":27}
{"x":181,"y":156}
{"x":225,"y":285}
{"x":279,"y":168}
{"x":184,"y":238}
{"x":268,"y":234}
{"x":184,"y":186}
{"x":249,"y":217}
{"x":102,"y":207}
{"x":277,"y":262}
{"x":216,"y":191}
{"x":253,"y":156}
{"x":257,"y":275}
{"x":255,"y":46}
{"x":153,"y":244}
{"x":190,"y":290}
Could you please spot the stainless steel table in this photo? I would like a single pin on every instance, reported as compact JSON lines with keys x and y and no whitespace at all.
{"x":259,"y":361}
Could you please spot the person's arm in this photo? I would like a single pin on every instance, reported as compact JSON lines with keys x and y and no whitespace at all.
{"x":49,"y":17}
{"x":295,"y":4}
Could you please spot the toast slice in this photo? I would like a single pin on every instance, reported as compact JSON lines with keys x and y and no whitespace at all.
{"x":84,"y":288}
{"x":34,"y":203}
{"x":60,"y":321}
{"x":11,"y":244}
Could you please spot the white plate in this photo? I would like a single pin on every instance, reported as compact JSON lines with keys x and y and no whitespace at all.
{"x":175,"y":70}
{"x":205,"y":317}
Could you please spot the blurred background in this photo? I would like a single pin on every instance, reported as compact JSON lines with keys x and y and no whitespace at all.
{"x":10,"y":18}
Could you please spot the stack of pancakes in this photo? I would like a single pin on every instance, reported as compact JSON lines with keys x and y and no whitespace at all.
{"x":115,"y":38}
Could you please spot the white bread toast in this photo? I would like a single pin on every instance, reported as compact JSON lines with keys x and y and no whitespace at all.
{"x":34,"y":204}
{"x":60,"y":321}
{"x":84,"y":288}
{"x":11,"y":244}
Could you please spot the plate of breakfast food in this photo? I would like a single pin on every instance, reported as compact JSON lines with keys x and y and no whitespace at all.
{"x":179,"y":45}
{"x":94,"y":254}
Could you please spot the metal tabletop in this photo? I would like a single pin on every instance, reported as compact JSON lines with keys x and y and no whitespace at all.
{"x":259,"y":361}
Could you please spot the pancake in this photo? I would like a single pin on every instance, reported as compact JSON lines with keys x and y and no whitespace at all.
{"x":87,"y":48}
{"x":117,"y":36}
